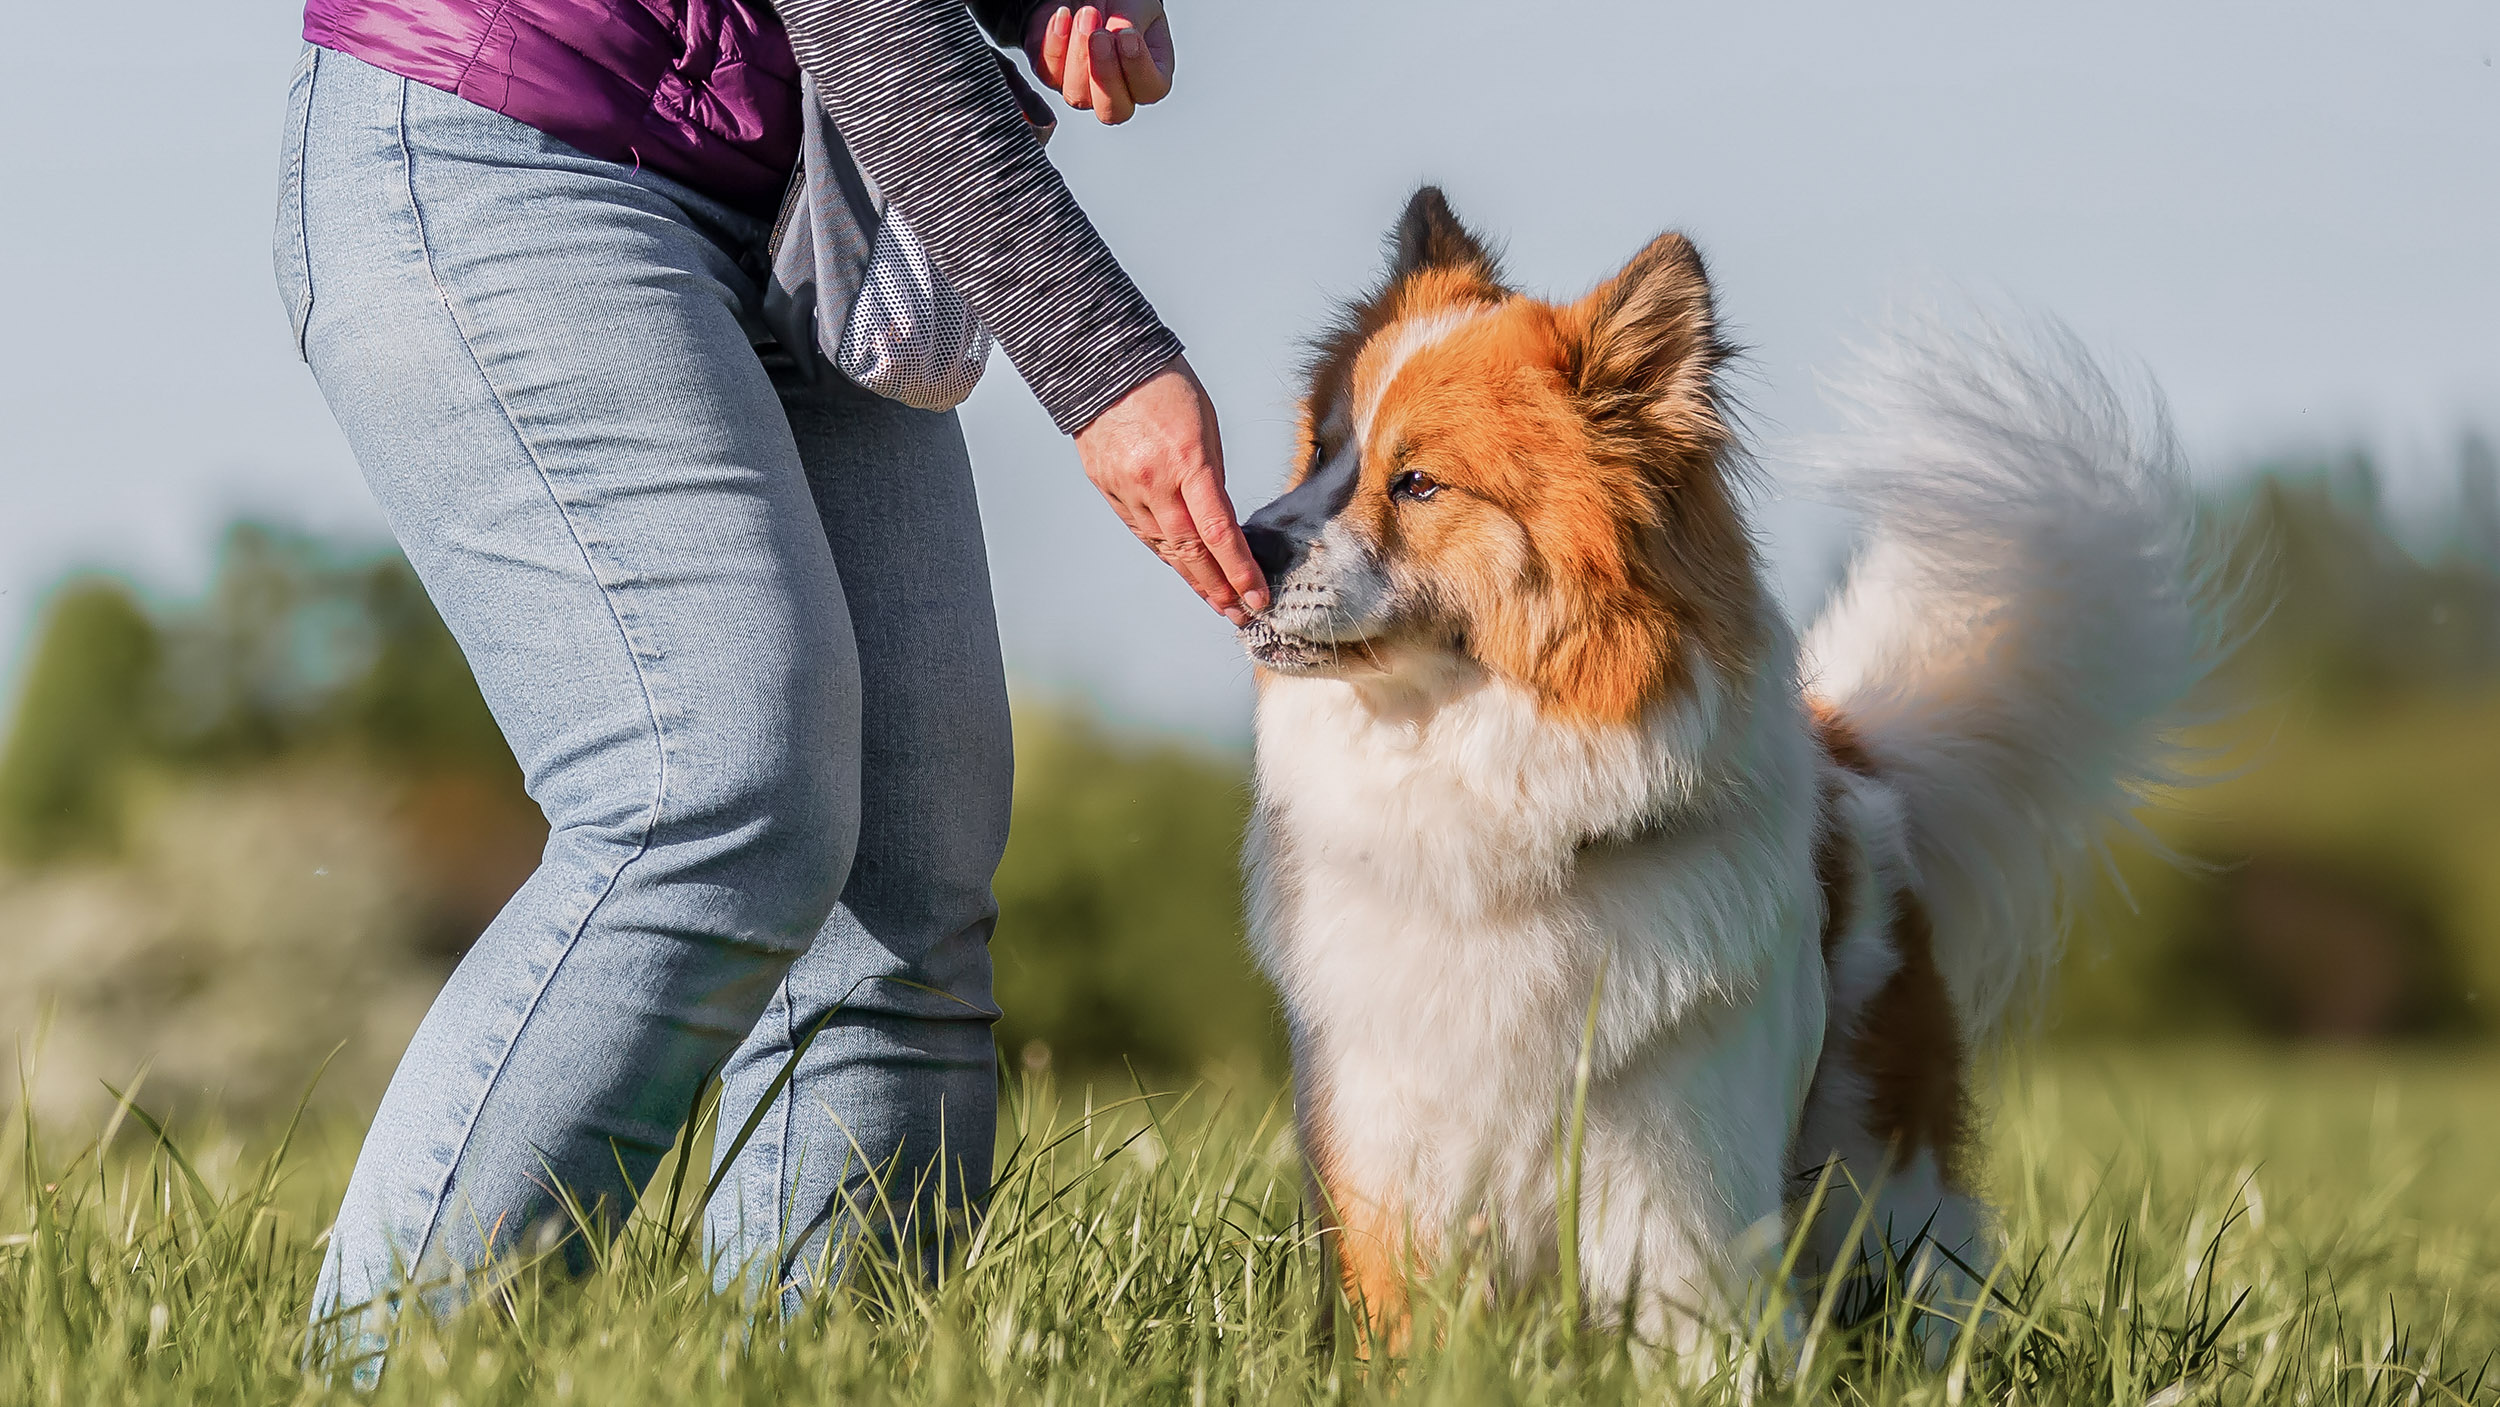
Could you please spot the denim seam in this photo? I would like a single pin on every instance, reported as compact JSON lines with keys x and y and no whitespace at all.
{"x":302,"y":137}
{"x":785,"y":1209}
{"x":651,"y":707}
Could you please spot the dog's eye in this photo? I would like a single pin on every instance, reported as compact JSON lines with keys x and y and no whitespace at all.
{"x":1414,"y":483}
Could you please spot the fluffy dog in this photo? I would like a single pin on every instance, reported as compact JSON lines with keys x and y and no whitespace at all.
{"x":1535,"y":741}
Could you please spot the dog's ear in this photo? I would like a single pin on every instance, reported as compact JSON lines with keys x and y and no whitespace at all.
{"x":1429,"y":236}
{"x":1644,"y":349}
{"x":1641,"y":355}
{"x":1433,"y":261}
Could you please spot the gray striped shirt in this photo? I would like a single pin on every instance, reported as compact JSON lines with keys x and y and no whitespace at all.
{"x":919,"y":99}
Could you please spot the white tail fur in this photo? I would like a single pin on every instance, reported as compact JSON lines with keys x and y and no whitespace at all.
{"x":2026,"y":612}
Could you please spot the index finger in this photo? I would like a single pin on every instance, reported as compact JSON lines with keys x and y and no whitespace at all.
{"x":1076,"y":72}
{"x":1050,"y":61}
{"x":1178,"y":543}
{"x":1212,"y":510}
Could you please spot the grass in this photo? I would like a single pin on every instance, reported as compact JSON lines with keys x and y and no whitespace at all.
{"x":2193,"y":1225}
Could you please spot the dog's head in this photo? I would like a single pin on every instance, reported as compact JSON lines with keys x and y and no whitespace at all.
{"x":1541,"y":491}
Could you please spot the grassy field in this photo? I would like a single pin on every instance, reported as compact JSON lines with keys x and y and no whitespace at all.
{"x":2191,"y":1225}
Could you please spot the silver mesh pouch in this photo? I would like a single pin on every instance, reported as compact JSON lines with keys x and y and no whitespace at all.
{"x":909,"y":337}
{"x":852,"y":291}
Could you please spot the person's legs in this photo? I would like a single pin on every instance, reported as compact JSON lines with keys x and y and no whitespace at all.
{"x":538,"y":358}
{"x":900,"y":1069}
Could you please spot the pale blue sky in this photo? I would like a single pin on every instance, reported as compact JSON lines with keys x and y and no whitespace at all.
{"x":2288,"y":212}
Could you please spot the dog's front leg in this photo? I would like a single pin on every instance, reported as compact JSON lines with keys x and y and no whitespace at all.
{"x":1372,"y":1241}
{"x":1685,"y":1166}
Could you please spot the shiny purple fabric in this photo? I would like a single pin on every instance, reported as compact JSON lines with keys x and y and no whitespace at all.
{"x":703,"y":91}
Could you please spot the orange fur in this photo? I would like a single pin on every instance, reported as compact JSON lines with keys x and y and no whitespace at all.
{"x":1840,"y":739}
{"x":1909,"y":1047}
{"x":1375,"y":1265}
{"x":1838,"y":871}
{"x":1367,"y":1234}
{"x":1592,"y":542}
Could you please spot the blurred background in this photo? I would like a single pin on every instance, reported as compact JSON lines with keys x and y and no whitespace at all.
{"x":251,"y":806}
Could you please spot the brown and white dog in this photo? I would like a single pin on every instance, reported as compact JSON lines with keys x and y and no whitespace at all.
{"x":1531,"y":729}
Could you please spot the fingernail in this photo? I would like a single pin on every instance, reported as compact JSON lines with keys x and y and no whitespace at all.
{"x":1131,"y":44}
{"x":1256,"y":601}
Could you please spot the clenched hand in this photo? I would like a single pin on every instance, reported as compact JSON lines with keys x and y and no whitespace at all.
{"x":1110,"y":56}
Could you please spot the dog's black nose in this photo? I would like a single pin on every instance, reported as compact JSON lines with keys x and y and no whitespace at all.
{"x":1271,"y":548}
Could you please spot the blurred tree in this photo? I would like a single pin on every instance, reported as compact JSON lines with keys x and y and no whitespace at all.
{"x":2478,"y":502}
{"x":415,"y":700}
{"x":1120,"y":923}
{"x":303,"y":644}
{"x":82,"y":718}
{"x":1120,"y":930}
{"x":301,"y":649}
{"x":2341,"y":884}
{"x":2357,"y":620}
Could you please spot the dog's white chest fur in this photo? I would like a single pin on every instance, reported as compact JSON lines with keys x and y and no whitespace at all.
{"x":1436,"y":896}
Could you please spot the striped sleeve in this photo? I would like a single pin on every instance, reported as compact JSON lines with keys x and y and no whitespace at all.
{"x":920,"y":100}
{"x":1005,"y":19}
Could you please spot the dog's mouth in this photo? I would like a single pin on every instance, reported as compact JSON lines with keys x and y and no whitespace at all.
{"x":1284,"y":651}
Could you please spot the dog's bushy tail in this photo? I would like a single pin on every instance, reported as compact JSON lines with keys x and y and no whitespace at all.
{"x":2026,"y":615}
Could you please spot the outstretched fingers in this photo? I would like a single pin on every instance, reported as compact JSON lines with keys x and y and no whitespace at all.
{"x":1178,"y":542}
{"x":1211,"y":512}
{"x":1163,"y":523}
{"x":1157,"y":456}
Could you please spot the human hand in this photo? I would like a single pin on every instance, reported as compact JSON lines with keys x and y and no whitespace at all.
{"x":1111,"y":56}
{"x":1156,"y":456}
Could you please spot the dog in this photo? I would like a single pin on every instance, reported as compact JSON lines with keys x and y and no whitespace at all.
{"x":1552,"y":803}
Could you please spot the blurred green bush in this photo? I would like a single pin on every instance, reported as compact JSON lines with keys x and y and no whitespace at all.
{"x":300,"y":648}
{"x":240,"y":829}
{"x":1119,"y":928}
{"x":236,"y":831}
{"x":2342,"y":880}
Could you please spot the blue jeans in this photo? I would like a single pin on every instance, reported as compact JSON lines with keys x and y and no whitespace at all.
{"x":740,"y":637}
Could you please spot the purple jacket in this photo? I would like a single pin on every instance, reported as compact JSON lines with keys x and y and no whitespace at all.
{"x":706,"y":92}
{"x":702,"y":91}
